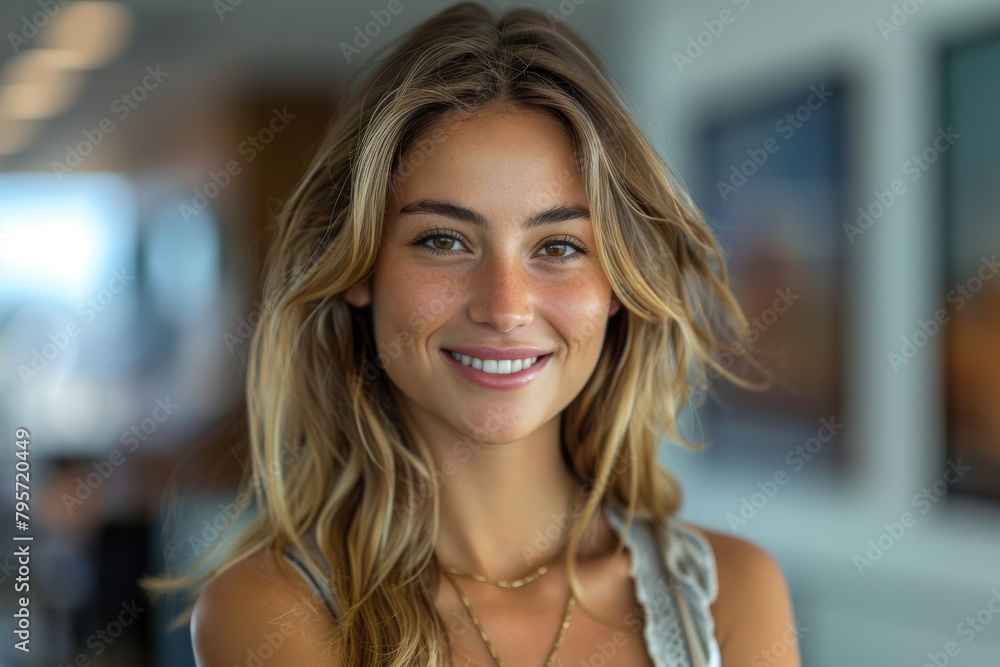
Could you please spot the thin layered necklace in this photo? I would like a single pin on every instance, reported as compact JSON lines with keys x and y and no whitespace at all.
{"x":517,"y":583}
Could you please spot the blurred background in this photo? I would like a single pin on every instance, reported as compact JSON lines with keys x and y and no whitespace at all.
{"x":846,"y":154}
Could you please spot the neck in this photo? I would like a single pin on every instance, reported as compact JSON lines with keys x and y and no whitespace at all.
{"x":506,"y":509}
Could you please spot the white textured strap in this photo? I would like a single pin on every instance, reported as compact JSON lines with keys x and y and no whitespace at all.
{"x":698,"y":658}
{"x":679,"y":633}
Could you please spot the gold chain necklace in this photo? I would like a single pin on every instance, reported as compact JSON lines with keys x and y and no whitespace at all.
{"x":486,"y":639}
{"x":517,"y":583}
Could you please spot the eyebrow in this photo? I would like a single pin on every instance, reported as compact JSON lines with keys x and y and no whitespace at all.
{"x":447,"y":209}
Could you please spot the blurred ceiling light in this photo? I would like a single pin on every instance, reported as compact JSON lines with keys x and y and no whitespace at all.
{"x":93,"y":32}
{"x":34,"y":64}
{"x":35,"y":85}
{"x":15,"y":135}
{"x":26,"y":101}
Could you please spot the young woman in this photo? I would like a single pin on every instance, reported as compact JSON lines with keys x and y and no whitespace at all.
{"x":487,"y":303}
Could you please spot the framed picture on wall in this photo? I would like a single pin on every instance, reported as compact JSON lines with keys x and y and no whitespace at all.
{"x":970,"y":226}
{"x":771,"y":180}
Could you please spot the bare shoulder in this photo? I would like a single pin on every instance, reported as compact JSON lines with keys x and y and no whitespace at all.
{"x":261,"y":608}
{"x":754,"y":619}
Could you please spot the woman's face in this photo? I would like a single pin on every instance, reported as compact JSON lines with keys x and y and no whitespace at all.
{"x":488,"y":244}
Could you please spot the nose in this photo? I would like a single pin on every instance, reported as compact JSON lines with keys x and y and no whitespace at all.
{"x":501,"y":294}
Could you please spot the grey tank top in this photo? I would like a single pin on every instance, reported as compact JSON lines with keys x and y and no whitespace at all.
{"x":675,"y":589}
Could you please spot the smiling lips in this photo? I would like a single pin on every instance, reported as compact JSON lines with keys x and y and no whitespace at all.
{"x":496,"y":366}
{"x":509,"y":373}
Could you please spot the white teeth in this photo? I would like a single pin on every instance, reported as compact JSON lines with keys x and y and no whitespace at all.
{"x":494,"y":366}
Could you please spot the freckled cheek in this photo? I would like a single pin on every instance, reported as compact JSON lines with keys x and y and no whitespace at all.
{"x":415,"y":303}
{"x":579,"y":312}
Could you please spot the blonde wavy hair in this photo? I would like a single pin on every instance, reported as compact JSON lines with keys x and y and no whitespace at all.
{"x":331,"y":450}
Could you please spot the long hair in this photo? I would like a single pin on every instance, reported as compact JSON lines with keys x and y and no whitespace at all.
{"x":331,"y":450}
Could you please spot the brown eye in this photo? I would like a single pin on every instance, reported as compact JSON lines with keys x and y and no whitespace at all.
{"x":438,"y":240}
{"x":564,"y":247}
{"x":438,"y":243}
{"x":565,"y":255}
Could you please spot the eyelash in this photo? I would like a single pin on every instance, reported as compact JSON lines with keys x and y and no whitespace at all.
{"x":446,"y":233}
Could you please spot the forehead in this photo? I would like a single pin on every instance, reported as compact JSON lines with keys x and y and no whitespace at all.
{"x":497,"y":157}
